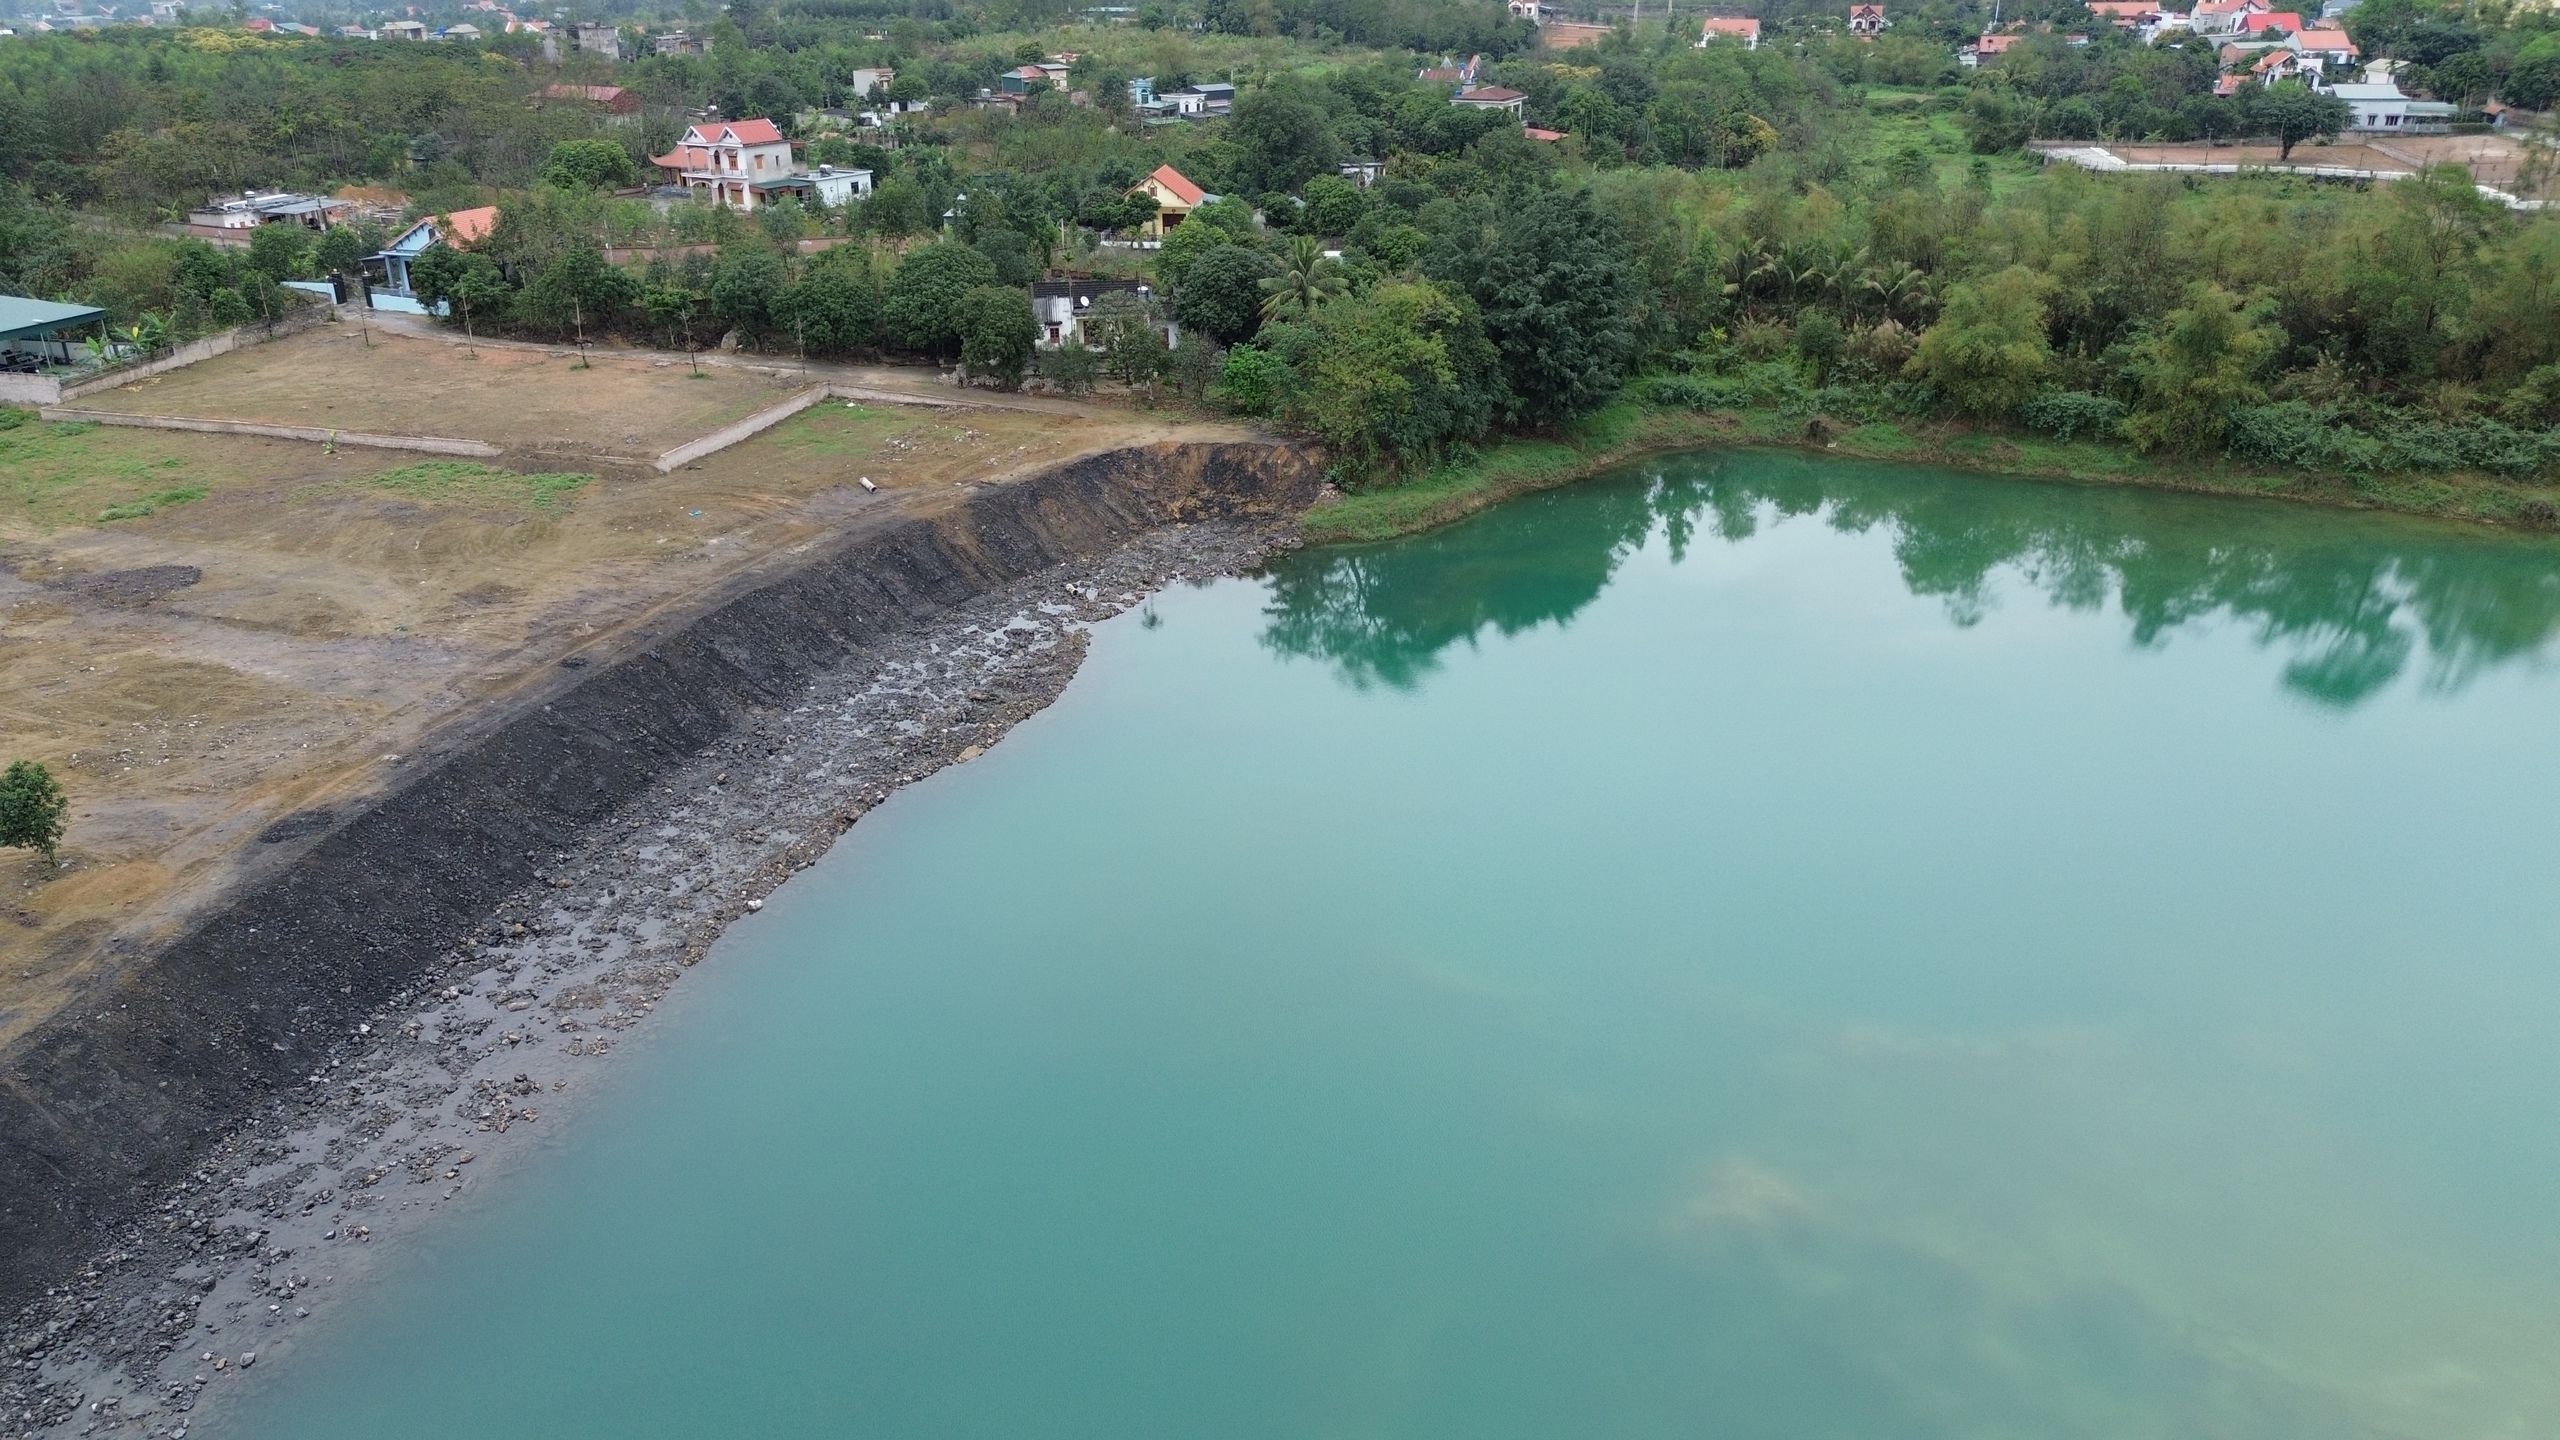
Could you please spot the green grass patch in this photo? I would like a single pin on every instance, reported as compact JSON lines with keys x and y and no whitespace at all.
{"x":838,"y":430}
{"x":483,"y":484}
{"x":153,"y":504}
{"x":55,"y":474}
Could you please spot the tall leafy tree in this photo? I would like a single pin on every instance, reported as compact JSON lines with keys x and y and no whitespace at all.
{"x":746,"y":285}
{"x":997,"y":333}
{"x":589,"y":165}
{"x":923,"y":304}
{"x":1282,"y":141}
{"x":579,"y":291}
{"x":834,"y":307}
{"x":1550,"y":273}
{"x":1222,"y":294}
{"x":2201,"y":365}
{"x":2293,"y":112}
{"x":1988,"y":351}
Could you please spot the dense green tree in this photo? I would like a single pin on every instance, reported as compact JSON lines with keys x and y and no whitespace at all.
{"x":1549,"y":273}
{"x":2204,"y":362}
{"x":341,"y":250}
{"x":1183,"y":249}
{"x":834,"y":307}
{"x":1988,"y":352}
{"x":923,"y":305}
{"x":579,"y":292}
{"x":746,"y":286}
{"x":2293,"y":112}
{"x":32,"y":809}
{"x":997,"y":333}
{"x":1222,"y":295}
{"x":1391,"y":378}
{"x":1284,"y":141}
{"x":1254,"y":380}
{"x":897,"y":208}
{"x":280,"y":252}
{"x":1333,"y":206}
{"x":589,"y":165}
{"x":1010,"y":253}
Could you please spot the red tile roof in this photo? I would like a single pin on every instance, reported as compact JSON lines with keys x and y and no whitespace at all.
{"x":1178,"y":185}
{"x":1731,"y":25}
{"x":1534,"y":133}
{"x":463,"y":227}
{"x":2291,"y":21}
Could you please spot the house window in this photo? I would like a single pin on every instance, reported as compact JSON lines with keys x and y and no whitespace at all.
{"x":2390,"y":119}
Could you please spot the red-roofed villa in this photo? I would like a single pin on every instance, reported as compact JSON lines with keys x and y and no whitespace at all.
{"x":738,"y":163}
{"x":1730,"y":27}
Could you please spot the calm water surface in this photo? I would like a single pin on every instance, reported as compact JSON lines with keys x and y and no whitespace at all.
{"x":1754,"y":947}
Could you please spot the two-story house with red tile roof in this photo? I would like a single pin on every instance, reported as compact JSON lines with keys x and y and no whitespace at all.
{"x":738,"y":163}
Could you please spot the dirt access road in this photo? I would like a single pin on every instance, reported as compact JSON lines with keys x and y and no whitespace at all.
{"x":273,"y":629}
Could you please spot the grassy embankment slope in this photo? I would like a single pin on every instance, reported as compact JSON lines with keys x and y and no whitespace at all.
{"x":1627,"y":430}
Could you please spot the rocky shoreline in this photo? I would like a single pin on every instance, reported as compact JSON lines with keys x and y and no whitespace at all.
{"x":433,"y":1095}
{"x":223,"y":1140}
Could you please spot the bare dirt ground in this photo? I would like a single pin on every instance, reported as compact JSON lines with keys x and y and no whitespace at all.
{"x":524,"y":398}
{"x":276,"y":626}
{"x":2346,"y":155}
{"x":2496,"y":160}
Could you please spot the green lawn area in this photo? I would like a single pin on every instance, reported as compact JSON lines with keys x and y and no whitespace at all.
{"x":470,"y":481}
{"x":74,"y":473}
{"x":835,"y":430}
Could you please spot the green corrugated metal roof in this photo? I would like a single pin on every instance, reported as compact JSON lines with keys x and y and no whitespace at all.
{"x":21,"y":317}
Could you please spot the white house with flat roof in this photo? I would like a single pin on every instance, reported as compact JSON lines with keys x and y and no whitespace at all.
{"x":2381,"y":109}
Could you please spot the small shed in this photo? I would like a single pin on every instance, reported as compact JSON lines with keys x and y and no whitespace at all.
{"x":37,"y":333}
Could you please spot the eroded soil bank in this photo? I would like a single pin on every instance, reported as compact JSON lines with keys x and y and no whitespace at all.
{"x":192,"y":1154}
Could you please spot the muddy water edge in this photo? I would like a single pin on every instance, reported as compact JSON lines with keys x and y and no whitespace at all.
{"x":206,"y":1148}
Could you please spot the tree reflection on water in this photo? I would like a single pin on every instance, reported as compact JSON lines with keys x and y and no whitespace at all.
{"x":2349,"y":599}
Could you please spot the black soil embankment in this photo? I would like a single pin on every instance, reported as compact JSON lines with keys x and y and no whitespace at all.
{"x":107,"y":1104}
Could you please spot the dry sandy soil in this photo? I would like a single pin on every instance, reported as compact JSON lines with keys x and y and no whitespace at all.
{"x":219,"y":665}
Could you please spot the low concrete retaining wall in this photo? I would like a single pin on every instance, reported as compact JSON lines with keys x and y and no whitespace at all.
{"x":431,"y":444}
{"x":30,"y":390}
{"x":728,"y":435}
{"x":195,"y":350}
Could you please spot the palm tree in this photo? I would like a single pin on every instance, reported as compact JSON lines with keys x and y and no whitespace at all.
{"x":1747,"y":270}
{"x":1307,"y":279}
{"x":1901,"y":292}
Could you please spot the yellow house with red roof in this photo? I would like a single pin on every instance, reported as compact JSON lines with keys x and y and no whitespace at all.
{"x":1175,"y":196}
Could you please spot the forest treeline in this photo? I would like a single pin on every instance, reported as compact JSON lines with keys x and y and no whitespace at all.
{"x":1823,"y":226}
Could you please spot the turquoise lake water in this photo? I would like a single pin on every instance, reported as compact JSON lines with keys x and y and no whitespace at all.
{"x":1751,"y":947}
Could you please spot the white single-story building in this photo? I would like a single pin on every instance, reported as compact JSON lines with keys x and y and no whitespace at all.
{"x":837,"y":188}
{"x":2383,"y":109}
